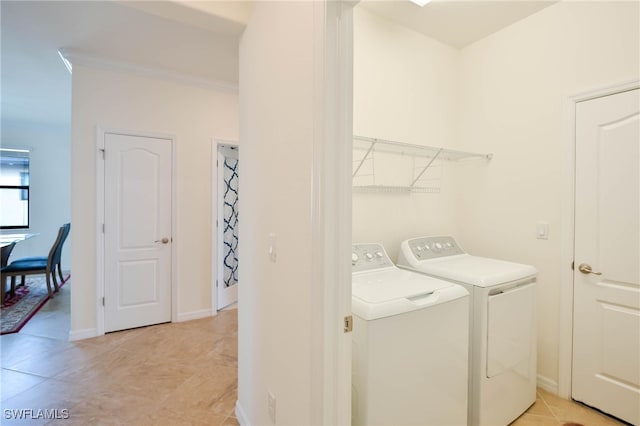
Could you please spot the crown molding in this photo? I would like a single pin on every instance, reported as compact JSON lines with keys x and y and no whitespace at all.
{"x":94,"y":61}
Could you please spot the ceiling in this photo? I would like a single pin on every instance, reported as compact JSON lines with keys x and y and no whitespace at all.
{"x":456,"y":22}
{"x":198,"y":39}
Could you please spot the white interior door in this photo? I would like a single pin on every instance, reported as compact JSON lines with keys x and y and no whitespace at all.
{"x":606,"y":345}
{"x":137,"y":231}
{"x":227,"y":238}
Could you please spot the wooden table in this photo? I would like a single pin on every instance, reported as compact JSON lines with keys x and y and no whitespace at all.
{"x":6,"y":239}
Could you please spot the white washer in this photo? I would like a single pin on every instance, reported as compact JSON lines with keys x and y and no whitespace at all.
{"x":502,"y":370}
{"x":410,"y":344}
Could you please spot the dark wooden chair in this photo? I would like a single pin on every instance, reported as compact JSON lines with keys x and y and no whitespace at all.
{"x":4,"y":260}
{"x":37,"y":266}
{"x":58,"y":266}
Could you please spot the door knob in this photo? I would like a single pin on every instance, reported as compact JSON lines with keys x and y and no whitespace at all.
{"x":165,"y":240}
{"x":586,"y":269}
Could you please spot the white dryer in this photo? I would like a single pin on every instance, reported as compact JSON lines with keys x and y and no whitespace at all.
{"x":410,"y":344}
{"x":502,"y":369}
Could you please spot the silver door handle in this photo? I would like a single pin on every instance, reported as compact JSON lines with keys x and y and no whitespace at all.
{"x":586,"y":269}
{"x":165,"y":240}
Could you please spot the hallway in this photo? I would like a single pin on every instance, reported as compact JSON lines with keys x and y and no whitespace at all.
{"x":170,"y":374}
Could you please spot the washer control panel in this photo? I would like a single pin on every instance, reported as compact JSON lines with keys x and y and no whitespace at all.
{"x":365,"y":257}
{"x":434,"y":247}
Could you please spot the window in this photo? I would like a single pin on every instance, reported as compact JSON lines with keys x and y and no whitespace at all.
{"x":14,"y":188}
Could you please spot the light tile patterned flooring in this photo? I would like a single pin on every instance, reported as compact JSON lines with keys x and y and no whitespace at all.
{"x":551,"y":410}
{"x":170,"y":374}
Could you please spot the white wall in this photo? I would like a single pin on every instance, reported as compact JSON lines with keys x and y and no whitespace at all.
{"x":193,"y":115}
{"x":405,"y":89}
{"x":514,"y":85}
{"x":50,"y":187}
{"x":276,"y":324}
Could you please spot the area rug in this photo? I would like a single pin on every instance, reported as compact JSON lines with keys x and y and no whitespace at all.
{"x":28,"y":300}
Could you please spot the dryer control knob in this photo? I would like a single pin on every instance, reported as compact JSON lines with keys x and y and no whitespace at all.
{"x":378,"y":254}
{"x":354,"y":258}
{"x":369,"y":256}
{"x":437,"y":246}
{"x":418,"y":248}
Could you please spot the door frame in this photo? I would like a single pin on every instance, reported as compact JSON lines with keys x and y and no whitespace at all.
{"x":215,"y":142}
{"x":100,"y":206}
{"x":565,"y":344}
{"x":331,"y":213}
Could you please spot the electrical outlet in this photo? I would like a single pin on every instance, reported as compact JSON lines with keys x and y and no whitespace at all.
{"x":271,"y":405}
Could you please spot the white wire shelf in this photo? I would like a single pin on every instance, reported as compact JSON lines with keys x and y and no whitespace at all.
{"x":423,"y":157}
{"x":395,"y":189}
{"x":401,"y":148}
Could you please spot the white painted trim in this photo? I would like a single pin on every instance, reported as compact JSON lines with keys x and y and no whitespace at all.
{"x":320,"y":334}
{"x":344,"y":95}
{"x":607,"y":90}
{"x":100,"y":202}
{"x":241,"y":415}
{"x":565,"y":346}
{"x":83,"y":334}
{"x":193,"y":315}
{"x":174,"y":226}
{"x":84,"y":59}
{"x":213,"y":179}
{"x":216,"y":215}
{"x":100,"y":205}
{"x":547,"y":384}
{"x":331,"y":214}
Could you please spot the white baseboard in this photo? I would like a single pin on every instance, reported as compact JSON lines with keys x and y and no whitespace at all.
{"x":92,"y":332}
{"x":82,"y":334}
{"x":240,"y":415}
{"x":547,"y":384}
{"x":188,"y":316}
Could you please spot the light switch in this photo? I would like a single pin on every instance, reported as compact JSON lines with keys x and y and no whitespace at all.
{"x":271,"y":405}
{"x":271,"y":247}
{"x":542,"y":230}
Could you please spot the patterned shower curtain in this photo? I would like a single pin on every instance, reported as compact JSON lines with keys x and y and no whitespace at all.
{"x":230,"y":217}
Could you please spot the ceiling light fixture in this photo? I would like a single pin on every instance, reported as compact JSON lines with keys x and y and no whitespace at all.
{"x":66,"y":62}
{"x":420,"y":3}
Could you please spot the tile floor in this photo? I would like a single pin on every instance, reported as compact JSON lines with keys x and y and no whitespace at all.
{"x":551,"y":410}
{"x":170,"y":374}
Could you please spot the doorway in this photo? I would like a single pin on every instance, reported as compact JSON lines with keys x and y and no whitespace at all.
{"x":606,"y":276}
{"x":227,"y":225}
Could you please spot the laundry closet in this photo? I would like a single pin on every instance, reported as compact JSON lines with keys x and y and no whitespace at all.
{"x":494,"y":110}
{"x":405,"y":90}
